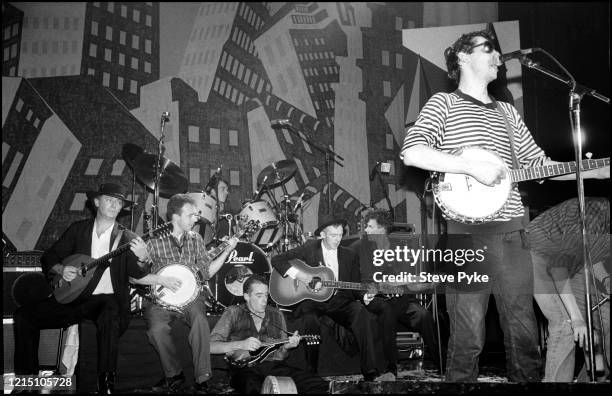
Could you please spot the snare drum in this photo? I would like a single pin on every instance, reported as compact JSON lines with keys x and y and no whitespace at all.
{"x":207,"y":206}
{"x":270,"y":231}
{"x":188,"y":292}
{"x":245,"y":260}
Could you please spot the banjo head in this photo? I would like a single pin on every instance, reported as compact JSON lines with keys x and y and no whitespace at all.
{"x":465,"y":199}
{"x":188,"y":292}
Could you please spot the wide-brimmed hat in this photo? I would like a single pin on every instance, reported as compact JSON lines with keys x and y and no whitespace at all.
{"x":112,"y":190}
{"x":329,"y":220}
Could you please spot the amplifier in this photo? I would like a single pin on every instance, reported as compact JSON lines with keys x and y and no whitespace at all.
{"x":409,"y":345}
{"x":24,"y":283}
{"x":50,"y":344}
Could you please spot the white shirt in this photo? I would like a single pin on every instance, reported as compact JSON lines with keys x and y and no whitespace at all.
{"x":330,"y":258}
{"x":99,"y":247}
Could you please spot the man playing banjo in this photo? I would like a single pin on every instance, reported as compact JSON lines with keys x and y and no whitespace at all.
{"x":468,"y":117}
{"x":182,"y":249}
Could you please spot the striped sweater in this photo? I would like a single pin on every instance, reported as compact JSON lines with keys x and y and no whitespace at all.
{"x":452,"y":120}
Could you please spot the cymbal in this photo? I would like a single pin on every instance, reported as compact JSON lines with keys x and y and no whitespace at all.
{"x":172,"y":181}
{"x":278,"y":173}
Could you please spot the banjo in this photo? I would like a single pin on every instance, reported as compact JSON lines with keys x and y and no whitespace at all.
{"x":192,"y":282}
{"x":464,"y":199}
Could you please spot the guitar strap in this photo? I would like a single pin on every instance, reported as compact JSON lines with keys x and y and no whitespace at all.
{"x":510,"y":132}
{"x":115,"y":244}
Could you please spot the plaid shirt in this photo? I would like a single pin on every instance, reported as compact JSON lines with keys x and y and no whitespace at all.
{"x":166,"y":250}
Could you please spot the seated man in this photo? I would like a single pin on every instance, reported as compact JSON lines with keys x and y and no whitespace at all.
{"x":555,"y":239}
{"x":345,"y":306}
{"x":104,"y":299}
{"x":186,"y":247}
{"x":403,"y":309}
{"x":245,"y":327}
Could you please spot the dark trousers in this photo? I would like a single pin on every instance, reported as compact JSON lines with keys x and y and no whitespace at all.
{"x":29,"y":319}
{"x":347,"y":313}
{"x":387,"y":323}
{"x":508,"y":265}
{"x":249,"y":380}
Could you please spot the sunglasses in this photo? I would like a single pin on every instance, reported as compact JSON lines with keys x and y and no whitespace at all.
{"x":487,"y":47}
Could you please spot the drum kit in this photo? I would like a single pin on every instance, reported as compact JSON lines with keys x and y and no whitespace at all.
{"x":279,"y":228}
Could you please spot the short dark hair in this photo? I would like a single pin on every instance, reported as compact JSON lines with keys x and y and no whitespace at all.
{"x":176,"y":203}
{"x":451,"y":54}
{"x":382,"y":217}
{"x":255,"y":278}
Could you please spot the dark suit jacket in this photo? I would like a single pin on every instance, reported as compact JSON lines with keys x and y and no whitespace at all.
{"x":312,"y":254}
{"x":77,"y":239}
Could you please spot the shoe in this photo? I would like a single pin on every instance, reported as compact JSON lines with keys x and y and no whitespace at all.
{"x":106,"y":383}
{"x":201,"y":388}
{"x":391,"y":368}
{"x":170,"y":384}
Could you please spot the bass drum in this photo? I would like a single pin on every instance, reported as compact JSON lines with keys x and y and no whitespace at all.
{"x":245,"y":260}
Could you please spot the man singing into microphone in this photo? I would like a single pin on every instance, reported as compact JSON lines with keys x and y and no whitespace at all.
{"x":469,"y":116}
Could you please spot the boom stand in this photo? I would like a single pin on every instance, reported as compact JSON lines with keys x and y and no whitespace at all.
{"x":576,"y":93}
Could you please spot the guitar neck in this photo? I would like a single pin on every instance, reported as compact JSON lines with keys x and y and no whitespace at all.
{"x":122,"y":248}
{"x":361,"y":286}
{"x":214,"y":252}
{"x":563,"y":168}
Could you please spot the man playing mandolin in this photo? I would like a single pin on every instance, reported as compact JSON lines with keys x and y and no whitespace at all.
{"x":183,"y":248}
{"x":250,"y":327}
{"x":438,"y":141}
{"x":104,"y":299}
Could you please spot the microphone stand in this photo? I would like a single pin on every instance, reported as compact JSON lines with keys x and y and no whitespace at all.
{"x":330,"y":155}
{"x":159,"y":168}
{"x":576,"y":94}
{"x":385,"y":191}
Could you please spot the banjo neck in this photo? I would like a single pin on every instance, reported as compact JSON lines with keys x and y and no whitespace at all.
{"x":562,"y":168}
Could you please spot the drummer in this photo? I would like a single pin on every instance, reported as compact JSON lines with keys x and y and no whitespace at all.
{"x":220,"y":227}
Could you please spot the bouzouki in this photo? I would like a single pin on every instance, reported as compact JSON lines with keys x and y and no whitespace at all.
{"x":242,"y":358}
{"x":65,"y":292}
{"x":464,"y":199}
{"x":287,"y":291}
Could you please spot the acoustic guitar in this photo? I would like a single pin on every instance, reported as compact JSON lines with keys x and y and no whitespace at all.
{"x":287,"y":291}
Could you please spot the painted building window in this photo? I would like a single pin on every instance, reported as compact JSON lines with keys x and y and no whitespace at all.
{"x":94,"y":28}
{"x":194,"y":175}
{"x":194,"y":133}
{"x":387,"y":88}
{"x":215,"y":136}
{"x":233,"y":137}
{"x":234,"y":178}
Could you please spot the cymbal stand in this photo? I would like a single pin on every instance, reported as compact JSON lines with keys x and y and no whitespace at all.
{"x":159,"y":168}
{"x":133,"y":195}
{"x":330,"y":155}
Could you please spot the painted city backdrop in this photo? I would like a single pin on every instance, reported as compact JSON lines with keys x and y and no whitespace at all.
{"x":81,"y":80}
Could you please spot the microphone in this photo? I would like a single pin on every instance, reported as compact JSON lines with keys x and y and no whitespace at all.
{"x":374,"y":170}
{"x":515,"y":54}
{"x":280,"y":123}
{"x":213,"y":180}
{"x":298,"y":202}
{"x":165,"y":116}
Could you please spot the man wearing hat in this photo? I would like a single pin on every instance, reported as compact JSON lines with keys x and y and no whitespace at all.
{"x":345,"y":307}
{"x":105,"y":300}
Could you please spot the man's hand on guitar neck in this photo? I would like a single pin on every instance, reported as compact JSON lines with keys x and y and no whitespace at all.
{"x":139,"y":248}
{"x":293,"y":341}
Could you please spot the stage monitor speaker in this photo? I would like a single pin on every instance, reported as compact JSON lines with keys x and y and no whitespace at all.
{"x":48,"y":349}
